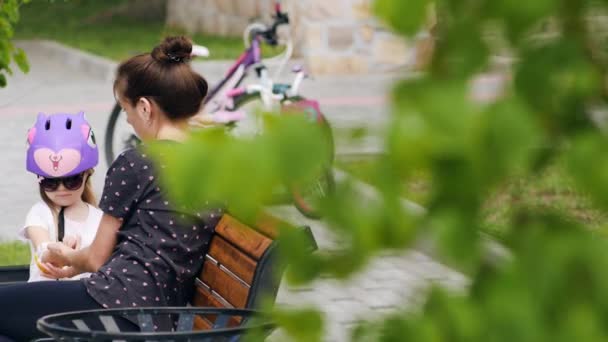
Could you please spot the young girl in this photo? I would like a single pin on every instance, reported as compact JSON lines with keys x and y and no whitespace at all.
{"x":62,"y":153}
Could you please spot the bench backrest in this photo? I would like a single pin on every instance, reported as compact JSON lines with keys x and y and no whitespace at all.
{"x":10,"y":275}
{"x":240,"y":267}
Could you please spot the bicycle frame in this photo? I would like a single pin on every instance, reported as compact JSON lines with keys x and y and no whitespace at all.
{"x":234,"y":76}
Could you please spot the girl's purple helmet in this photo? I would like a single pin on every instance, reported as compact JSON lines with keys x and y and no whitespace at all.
{"x":61,"y":145}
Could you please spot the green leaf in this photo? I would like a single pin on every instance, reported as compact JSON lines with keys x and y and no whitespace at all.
{"x":304,"y":325}
{"x":21,"y":60}
{"x":6,"y":30}
{"x":508,"y":141}
{"x":406,"y":17}
{"x":520,"y":17}
{"x":588,"y":164}
{"x":558,"y":80}
{"x":456,"y":57}
{"x":10,"y":9}
{"x":431,"y":118}
{"x":457,"y":237}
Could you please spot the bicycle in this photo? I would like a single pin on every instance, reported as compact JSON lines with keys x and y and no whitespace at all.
{"x":223,"y":105}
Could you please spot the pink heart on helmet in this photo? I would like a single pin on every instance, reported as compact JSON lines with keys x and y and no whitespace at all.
{"x":57,"y":164}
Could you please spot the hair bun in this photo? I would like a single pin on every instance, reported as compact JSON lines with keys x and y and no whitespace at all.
{"x":173,"y":50}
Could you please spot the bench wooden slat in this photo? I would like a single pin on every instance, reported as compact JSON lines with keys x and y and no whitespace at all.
{"x":269,"y":225}
{"x":226,"y":286}
{"x":203,"y":298}
{"x":202,"y":324}
{"x":246,"y":239}
{"x":233,"y":259}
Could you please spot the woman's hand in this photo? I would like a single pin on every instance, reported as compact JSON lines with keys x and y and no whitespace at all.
{"x":57,"y":253}
{"x":72,"y":241}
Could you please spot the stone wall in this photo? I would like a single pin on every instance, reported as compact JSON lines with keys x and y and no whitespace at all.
{"x":218,"y":17}
{"x":333,"y":36}
{"x":342,"y":37}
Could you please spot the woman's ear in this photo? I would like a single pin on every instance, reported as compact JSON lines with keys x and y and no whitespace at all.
{"x":144,"y":109}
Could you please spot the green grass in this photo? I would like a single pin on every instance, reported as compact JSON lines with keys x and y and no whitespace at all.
{"x":14,"y":253}
{"x":552,"y":190}
{"x":100,"y":27}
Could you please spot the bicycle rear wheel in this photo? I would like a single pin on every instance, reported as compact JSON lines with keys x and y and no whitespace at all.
{"x":306,"y":197}
{"x":119,"y":135}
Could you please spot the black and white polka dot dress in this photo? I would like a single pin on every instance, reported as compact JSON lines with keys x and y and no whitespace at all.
{"x":159,"y":249}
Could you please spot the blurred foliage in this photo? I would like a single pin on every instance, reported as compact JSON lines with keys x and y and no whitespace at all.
{"x":553,"y":287}
{"x":9,"y":16}
{"x":14,"y":253}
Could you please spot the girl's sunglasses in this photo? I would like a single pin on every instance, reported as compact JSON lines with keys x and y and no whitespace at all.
{"x":71,"y":183}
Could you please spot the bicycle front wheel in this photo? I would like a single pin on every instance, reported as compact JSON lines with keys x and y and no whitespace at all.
{"x":119,"y":135}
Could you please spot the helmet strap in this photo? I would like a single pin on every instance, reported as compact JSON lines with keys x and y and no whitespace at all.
{"x":60,"y":224}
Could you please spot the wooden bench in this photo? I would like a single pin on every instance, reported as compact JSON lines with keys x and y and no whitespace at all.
{"x":241,"y":267}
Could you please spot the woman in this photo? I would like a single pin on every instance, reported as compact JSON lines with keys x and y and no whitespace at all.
{"x":145,"y":253}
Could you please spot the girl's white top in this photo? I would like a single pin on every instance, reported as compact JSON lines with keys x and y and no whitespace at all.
{"x":40,"y":215}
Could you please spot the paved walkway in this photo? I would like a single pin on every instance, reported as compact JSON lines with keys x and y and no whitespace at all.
{"x":58,"y":83}
{"x":390,"y":282}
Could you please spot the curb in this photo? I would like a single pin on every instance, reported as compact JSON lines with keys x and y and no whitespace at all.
{"x":492,"y":249}
{"x":369,"y":192}
{"x":99,"y":67}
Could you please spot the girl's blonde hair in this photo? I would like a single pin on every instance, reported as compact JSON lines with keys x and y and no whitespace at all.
{"x":88,"y":195}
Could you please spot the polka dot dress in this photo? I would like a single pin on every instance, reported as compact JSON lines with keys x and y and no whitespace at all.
{"x":159,"y":249}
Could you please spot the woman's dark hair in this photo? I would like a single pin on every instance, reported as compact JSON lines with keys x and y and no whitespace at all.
{"x":165,"y":76}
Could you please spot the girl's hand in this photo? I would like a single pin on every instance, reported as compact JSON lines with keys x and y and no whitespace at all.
{"x":57,"y":254}
{"x":54,"y":272}
{"x":72,"y":241}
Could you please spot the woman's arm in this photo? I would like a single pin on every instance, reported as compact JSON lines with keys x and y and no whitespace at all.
{"x":91,"y":258}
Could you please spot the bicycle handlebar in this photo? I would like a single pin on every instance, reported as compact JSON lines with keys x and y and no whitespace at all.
{"x":270,"y":35}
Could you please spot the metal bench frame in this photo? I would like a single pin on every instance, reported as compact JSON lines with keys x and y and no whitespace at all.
{"x":73,"y":326}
